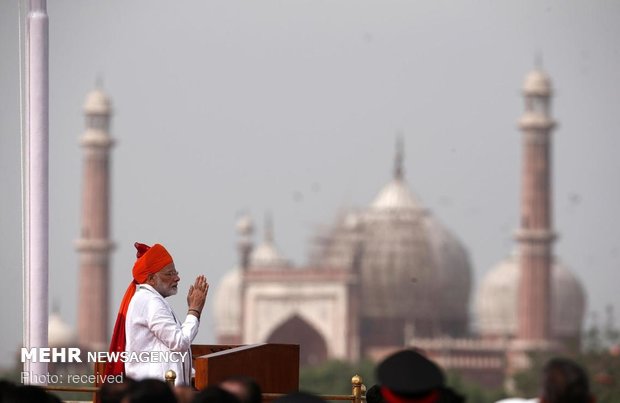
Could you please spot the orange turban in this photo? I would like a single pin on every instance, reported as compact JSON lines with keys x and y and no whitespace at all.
{"x":151,"y":259}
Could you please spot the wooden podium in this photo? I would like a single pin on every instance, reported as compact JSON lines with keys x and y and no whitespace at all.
{"x":275,"y":367}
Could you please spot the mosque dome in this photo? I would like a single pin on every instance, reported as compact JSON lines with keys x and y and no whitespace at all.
{"x":59,"y":333}
{"x":227,"y":304}
{"x":496,"y":302}
{"x":245,"y":225}
{"x":537,"y":82}
{"x":395,"y":196}
{"x":413,"y":271}
{"x":97,"y":102}
{"x":266,"y":255}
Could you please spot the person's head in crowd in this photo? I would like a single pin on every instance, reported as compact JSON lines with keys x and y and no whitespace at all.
{"x":409,"y":377}
{"x":149,"y":391}
{"x":565,"y":381}
{"x":299,"y":397}
{"x":114,"y":392}
{"x":184,"y":393}
{"x":245,"y":388}
{"x":7,"y":390}
{"x":373,"y":394}
{"x":215,"y":394}
{"x":28,"y":394}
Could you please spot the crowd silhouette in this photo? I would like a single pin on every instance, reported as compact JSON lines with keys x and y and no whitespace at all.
{"x":406,"y":376}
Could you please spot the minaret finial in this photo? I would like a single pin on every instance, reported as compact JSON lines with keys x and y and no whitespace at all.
{"x":398,"y":158}
{"x":99,"y":81}
{"x":268,"y":228}
{"x":538,"y":60}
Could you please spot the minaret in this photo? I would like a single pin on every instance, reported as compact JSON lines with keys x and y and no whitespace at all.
{"x":245,"y":230}
{"x":94,"y":245}
{"x":535,"y":237}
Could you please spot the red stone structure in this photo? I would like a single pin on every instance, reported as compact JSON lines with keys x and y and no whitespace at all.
{"x":94,"y":245}
{"x":535,"y":236}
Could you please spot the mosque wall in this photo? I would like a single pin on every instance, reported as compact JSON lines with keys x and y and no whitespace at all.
{"x":324,"y":306}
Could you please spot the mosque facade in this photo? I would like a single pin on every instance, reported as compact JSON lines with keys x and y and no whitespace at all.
{"x":380,"y":278}
{"x":393,"y":275}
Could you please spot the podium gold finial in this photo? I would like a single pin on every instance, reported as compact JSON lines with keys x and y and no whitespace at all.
{"x":171,"y":377}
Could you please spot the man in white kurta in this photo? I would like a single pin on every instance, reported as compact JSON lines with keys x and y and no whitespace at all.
{"x":147,"y":330}
{"x":151,"y":325}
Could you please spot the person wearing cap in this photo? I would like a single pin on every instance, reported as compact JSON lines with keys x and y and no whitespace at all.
{"x":146,"y":321}
{"x":409,"y":377}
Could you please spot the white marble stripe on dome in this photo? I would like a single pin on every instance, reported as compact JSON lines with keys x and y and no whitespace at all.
{"x":395,"y":196}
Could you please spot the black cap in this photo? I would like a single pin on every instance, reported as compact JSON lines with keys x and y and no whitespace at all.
{"x":409,"y":373}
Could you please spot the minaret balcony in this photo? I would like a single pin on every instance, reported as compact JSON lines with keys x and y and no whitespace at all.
{"x":96,"y":138}
{"x":535,"y":121}
{"x":94,"y":245}
{"x":535,"y":235}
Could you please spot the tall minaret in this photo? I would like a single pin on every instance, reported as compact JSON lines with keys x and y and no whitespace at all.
{"x":94,"y":245}
{"x":535,"y":237}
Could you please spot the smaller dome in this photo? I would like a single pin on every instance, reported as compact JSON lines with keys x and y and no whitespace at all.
{"x":569,"y":303}
{"x":395,"y":196}
{"x":267,"y":256}
{"x":537,"y":82}
{"x":497,"y":301}
{"x":59,"y":333}
{"x":244,"y":225}
{"x":227,"y":304}
{"x":97,"y":102}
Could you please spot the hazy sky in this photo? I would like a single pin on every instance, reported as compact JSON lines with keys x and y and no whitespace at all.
{"x":293,"y":107}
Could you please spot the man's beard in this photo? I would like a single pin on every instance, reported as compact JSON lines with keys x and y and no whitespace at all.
{"x":165,"y":290}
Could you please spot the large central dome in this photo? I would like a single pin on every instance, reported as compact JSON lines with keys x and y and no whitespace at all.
{"x":415,"y":275}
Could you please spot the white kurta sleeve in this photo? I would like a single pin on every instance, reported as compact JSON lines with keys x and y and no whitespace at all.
{"x":162,"y":324}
